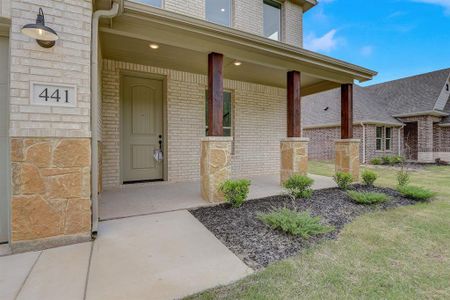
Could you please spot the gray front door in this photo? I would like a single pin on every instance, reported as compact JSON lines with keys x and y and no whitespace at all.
{"x":4,"y":109}
{"x":142,"y":128}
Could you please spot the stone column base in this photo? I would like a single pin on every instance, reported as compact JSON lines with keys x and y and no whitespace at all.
{"x":294,"y":157}
{"x":215,"y":166}
{"x":347,"y":157}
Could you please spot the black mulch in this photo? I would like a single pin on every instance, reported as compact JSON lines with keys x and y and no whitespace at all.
{"x":258,"y":245}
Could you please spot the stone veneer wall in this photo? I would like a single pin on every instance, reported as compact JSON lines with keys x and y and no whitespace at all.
{"x":259,"y":123}
{"x":50,"y":148}
{"x":322,"y":142}
{"x":50,"y":187}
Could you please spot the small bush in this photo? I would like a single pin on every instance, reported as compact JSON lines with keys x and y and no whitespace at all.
{"x":399,"y":159}
{"x":369,"y":177}
{"x":235,"y":191}
{"x":376,"y":161}
{"x":415,"y":192}
{"x":299,"y":186}
{"x":388,"y":160}
{"x":295,"y":223}
{"x":367,"y":197}
{"x":343,"y":180}
{"x":403,"y":178}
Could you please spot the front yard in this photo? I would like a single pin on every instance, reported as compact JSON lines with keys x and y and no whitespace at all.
{"x":402,"y":253}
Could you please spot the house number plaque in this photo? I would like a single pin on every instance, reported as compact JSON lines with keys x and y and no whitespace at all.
{"x":53,"y":94}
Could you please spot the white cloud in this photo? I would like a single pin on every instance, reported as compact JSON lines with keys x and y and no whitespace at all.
{"x":444,"y":3}
{"x":366,"y":51}
{"x":325,"y":43}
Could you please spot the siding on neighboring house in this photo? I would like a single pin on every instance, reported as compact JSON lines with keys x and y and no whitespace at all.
{"x":259,"y":123}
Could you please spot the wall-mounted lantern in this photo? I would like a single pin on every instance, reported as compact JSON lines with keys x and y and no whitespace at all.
{"x":44,"y":35}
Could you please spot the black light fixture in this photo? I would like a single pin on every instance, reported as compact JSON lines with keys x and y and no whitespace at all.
{"x":44,"y":35}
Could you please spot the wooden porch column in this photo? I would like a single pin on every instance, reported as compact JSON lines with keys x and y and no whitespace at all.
{"x":215,"y":94}
{"x":347,"y":111}
{"x":294,"y":104}
{"x":215,"y":160}
{"x":347,"y":148}
{"x":294,"y":149}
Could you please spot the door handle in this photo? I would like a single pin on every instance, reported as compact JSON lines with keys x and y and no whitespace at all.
{"x":160,"y":142}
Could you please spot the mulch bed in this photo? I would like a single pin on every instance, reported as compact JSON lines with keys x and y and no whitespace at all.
{"x":258,"y":245}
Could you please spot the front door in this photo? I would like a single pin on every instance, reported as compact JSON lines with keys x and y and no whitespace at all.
{"x":4,"y":109}
{"x":142,"y":129}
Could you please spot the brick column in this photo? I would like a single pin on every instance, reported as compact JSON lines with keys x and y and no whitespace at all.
{"x":215,"y":166}
{"x":425,"y":139}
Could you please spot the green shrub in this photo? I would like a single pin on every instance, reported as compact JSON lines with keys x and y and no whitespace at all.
{"x":343,"y":180}
{"x":369,"y":177}
{"x":367,"y":197}
{"x":295,"y":223}
{"x":389,"y":160}
{"x":415,"y":192}
{"x":399,"y":159}
{"x":235,"y":191}
{"x":299,"y":186}
{"x":376,"y":161}
{"x":403,"y":178}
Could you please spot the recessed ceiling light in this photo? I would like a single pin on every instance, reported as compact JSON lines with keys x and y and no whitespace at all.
{"x":237,"y":63}
{"x":154,"y":46}
{"x":222,"y":9}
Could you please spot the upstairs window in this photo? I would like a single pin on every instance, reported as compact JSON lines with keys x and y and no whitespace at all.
{"x":379,"y":139}
{"x":219,"y":11}
{"x":227,"y":114}
{"x":272,"y":20}
{"x":155,"y":3}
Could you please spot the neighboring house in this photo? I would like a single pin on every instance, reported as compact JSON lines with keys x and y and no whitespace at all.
{"x":408,"y":117}
{"x":132,"y":91}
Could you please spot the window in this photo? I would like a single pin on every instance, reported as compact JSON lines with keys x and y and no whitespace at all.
{"x":379,"y":140}
{"x":388,"y":139}
{"x":272,"y":20}
{"x":227,"y":114}
{"x":219,"y":11}
{"x":155,"y":3}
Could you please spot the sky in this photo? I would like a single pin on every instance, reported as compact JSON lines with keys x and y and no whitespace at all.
{"x":396,"y":38}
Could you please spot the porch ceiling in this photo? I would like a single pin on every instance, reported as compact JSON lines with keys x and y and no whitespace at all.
{"x":185,"y":42}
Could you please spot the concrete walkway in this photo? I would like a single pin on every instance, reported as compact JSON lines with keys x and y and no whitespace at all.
{"x":150,"y":198}
{"x":166,"y":255}
{"x":161,"y":256}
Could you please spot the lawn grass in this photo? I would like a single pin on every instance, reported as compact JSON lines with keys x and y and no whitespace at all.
{"x":398,"y":254}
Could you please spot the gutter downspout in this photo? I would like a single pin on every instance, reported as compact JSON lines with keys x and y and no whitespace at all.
{"x":94,"y":109}
{"x":400,"y":139}
{"x":364,"y":143}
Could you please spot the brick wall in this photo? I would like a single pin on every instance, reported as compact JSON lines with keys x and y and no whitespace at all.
{"x":322,"y":142}
{"x":193,"y":8}
{"x":259,"y":123}
{"x":247,"y":16}
{"x":425,"y":136}
{"x":5,"y":8}
{"x":66,"y":63}
{"x":293,"y":19}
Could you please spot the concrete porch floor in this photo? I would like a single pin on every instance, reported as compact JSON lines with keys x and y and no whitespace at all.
{"x":150,"y":198}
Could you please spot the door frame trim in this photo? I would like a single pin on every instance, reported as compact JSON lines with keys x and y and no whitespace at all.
{"x":163,"y":79}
